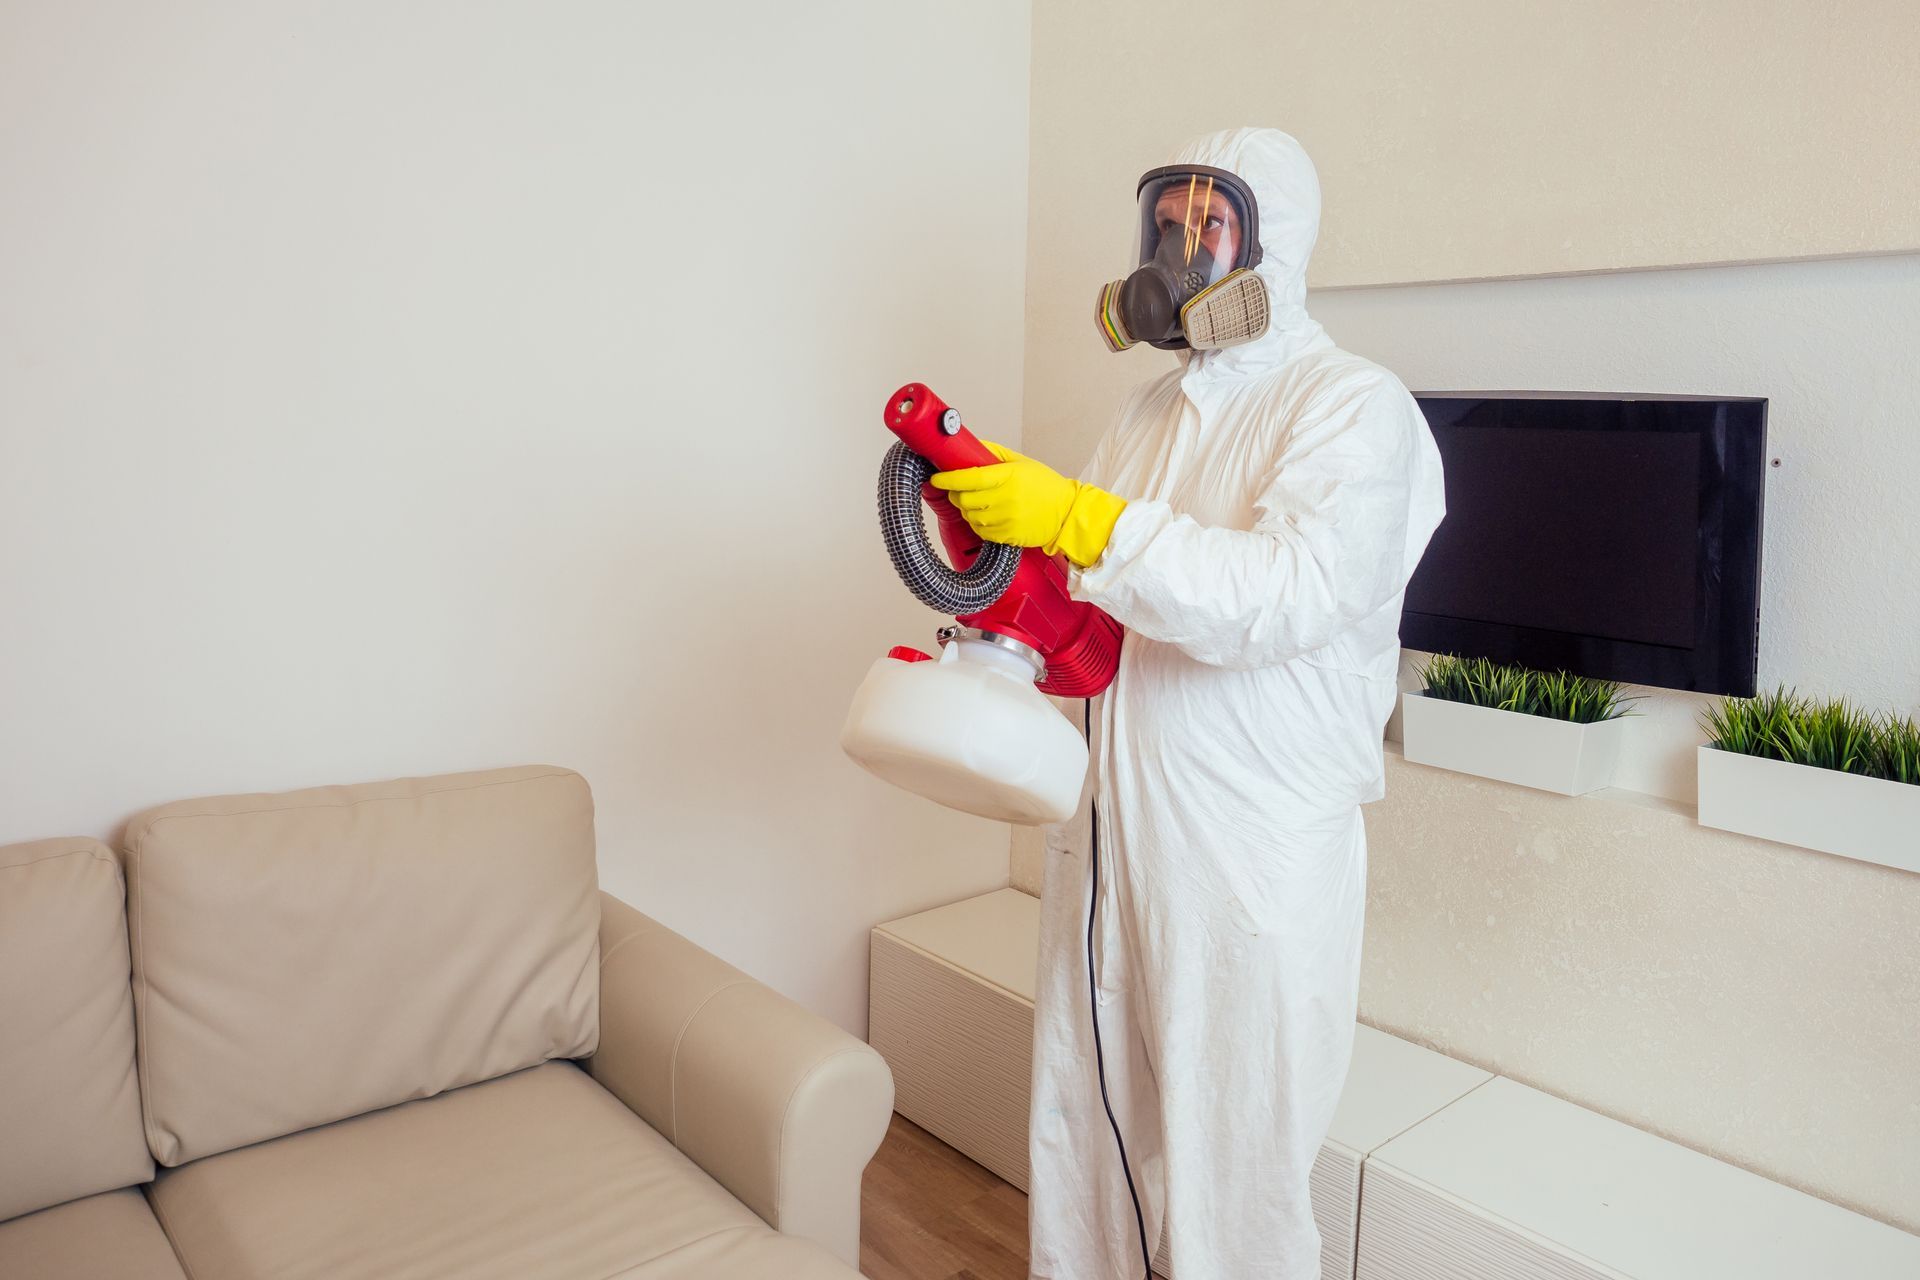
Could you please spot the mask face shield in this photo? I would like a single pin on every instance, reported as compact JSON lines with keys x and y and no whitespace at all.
{"x":1198,"y":240}
{"x":1199,"y":220}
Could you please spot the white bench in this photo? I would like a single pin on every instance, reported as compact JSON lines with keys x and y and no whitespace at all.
{"x":1434,"y":1169}
{"x":1512,"y":1182}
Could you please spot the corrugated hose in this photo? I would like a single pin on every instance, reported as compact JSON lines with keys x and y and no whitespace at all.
{"x":934,"y":582}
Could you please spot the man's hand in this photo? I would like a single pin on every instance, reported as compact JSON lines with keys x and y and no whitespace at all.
{"x":1029,"y":504}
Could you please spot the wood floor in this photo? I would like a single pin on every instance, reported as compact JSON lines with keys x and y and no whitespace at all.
{"x":929,"y":1213}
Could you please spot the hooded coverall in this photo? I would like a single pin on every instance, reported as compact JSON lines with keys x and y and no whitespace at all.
{"x":1279,"y":494}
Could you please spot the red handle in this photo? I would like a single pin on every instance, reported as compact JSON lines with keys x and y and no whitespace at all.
{"x":920,"y":418}
{"x":1080,"y":643}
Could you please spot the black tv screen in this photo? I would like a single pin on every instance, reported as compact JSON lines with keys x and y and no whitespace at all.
{"x":1612,"y":536}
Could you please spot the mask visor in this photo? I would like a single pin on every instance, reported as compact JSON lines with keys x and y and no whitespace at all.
{"x":1199,"y":219}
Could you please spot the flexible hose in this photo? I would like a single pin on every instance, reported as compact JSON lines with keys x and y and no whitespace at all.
{"x":933,"y":581}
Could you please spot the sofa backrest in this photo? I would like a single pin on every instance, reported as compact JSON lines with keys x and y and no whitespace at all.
{"x":69,"y":1104}
{"x":304,"y":957}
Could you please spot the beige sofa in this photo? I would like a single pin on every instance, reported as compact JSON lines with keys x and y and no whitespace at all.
{"x":396,"y":1031}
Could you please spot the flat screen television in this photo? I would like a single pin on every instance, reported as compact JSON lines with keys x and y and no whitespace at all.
{"x":1611,"y":536}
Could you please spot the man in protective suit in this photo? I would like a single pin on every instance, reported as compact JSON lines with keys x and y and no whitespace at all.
{"x":1252,"y":519}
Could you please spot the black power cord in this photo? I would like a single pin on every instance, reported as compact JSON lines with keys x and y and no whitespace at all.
{"x":1093,"y":1008}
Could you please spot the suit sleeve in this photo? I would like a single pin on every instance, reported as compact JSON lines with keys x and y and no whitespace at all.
{"x":1329,"y":545}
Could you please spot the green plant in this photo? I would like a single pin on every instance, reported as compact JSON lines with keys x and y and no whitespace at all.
{"x":1581,"y":699}
{"x":1555,"y":695}
{"x":1824,"y":734}
{"x":1897,"y":749}
{"x":1829,"y":735}
{"x":1751,"y":726}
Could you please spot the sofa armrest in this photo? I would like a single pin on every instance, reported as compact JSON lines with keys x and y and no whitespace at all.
{"x":780,"y":1106}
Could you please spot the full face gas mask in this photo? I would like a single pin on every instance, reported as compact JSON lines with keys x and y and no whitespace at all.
{"x":1194,"y":285}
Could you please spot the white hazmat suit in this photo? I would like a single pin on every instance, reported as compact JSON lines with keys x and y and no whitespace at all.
{"x":1280,"y":494}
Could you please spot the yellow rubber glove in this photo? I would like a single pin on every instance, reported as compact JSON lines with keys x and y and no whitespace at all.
{"x":1029,"y":504}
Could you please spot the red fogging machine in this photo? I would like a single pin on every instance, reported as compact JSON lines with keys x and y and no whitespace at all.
{"x":970,"y":728}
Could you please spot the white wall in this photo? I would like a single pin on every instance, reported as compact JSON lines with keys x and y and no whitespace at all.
{"x":1830,"y":344}
{"x":397,"y":389}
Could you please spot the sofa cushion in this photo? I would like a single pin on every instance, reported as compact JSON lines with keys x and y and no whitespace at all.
{"x":304,"y":957}
{"x":745,"y":1255}
{"x":541,"y":1175}
{"x":69,"y":1105}
{"x":112,"y":1236}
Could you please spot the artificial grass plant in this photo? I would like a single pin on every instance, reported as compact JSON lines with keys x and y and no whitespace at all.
{"x":1824,"y":734}
{"x":1555,"y":695}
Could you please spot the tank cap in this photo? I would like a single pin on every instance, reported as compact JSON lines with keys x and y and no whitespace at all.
{"x":907,"y":653}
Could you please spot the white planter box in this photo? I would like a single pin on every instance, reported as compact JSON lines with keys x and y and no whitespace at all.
{"x":1531,"y":751}
{"x":1866,"y":818}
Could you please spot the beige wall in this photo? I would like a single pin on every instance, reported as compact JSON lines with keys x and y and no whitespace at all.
{"x":1488,"y":138}
{"x":390,"y":389}
{"x":1750,"y":999}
